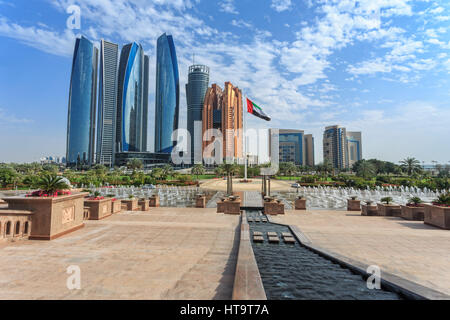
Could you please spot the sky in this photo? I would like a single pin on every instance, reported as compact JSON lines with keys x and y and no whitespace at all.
{"x":377,"y":66}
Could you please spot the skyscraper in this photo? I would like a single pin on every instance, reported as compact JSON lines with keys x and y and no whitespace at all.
{"x":294,"y":146}
{"x":107,"y":103}
{"x":82,"y":104}
{"x":167,"y":97}
{"x":340,"y":147}
{"x":132,"y":100}
{"x":198,"y":81}
{"x":354,"y":148}
{"x":223,"y":110}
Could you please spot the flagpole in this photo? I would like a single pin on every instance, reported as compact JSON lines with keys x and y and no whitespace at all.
{"x":245,"y":142}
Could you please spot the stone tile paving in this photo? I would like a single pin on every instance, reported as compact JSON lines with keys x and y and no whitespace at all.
{"x":409,"y":249}
{"x":167,"y":253}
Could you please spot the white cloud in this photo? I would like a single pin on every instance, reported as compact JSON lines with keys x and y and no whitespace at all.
{"x":228,"y":7}
{"x":281,"y":5}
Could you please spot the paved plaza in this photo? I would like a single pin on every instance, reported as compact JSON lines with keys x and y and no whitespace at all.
{"x":409,"y":249}
{"x":167,"y":253}
{"x":254,"y":185}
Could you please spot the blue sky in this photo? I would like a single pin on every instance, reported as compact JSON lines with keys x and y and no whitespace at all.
{"x":377,"y":66}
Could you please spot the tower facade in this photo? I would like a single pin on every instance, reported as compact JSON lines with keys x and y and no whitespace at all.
{"x":294,"y":146}
{"x":196,"y":88}
{"x":107,"y":103}
{"x":132,"y":100}
{"x":223,"y":110}
{"x":341,"y":148}
{"x":167,"y":97}
{"x":82,"y":104}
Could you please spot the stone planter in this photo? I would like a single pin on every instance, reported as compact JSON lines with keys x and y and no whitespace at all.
{"x":98,"y":209}
{"x":154,"y":201}
{"x":437,"y":216}
{"x":353,"y":205}
{"x":232,"y":207}
{"x":221,"y":206}
{"x":300,"y":204}
{"x":369,"y":210}
{"x":413,"y":213}
{"x":200,"y":202}
{"x":52,"y":217}
{"x":273,"y":208}
{"x":116,"y":206}
{"x":144,"y":205}
{"x":15,"y":224}
{"x":130,"y":205}
{"x":389,"y":210}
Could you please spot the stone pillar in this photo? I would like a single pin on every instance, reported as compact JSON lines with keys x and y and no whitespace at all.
{"x":353,"y":205}
{"x":232,"y":206}
{"x":144,"y":204}
{"x":273,"y":207}
{"x":369,"y":210}
{"x":221,"y":206}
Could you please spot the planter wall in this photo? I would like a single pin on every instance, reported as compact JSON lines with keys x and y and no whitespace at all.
{"x":353,"y":205}
{"x":437,"y":216}
{"x":52,"y":217}
{"x":98,"y":209}
{"x":369,"y":210}
{"x":144,"y":205}
{"x":221,"y":207}
{"x":232,"y":207}
{"x":130,"y":205}
{"x":116,"y":206}
{"x":300,"y":204}
{"x":15,"y":224}
{"x":154,"y":201}
{"x":413,"y":213}
{"x":273,"y":208}
{"x":389,"y":210}
{"x":200,"y":202}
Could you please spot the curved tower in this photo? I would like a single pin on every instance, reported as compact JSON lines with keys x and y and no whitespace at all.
{"x":132,"y":100}
{"x":82,"y":104}
{"x":198,"y":82}
{"x":167,"y":97}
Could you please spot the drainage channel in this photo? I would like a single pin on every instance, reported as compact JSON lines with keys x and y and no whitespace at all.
{"x":291,"y":271}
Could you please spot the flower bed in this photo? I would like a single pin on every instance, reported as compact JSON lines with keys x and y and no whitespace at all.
{"x":42,"y":194}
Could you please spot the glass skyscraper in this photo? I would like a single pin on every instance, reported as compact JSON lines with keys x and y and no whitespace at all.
{"x":198,"y":82}
{"x":132,"y":100}
{"x":167,"y":97}
{"x":107,"y":102}
{"x":82,"y":104}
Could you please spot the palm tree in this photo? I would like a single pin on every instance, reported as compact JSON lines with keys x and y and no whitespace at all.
{"x":198,"y":169}
{"x":411,"y":165}
{"x":49,"y":184}
{"x":135,"y":164}
{"x":167,"y":171}
{"x":366,"y":169}
{"x":230,"y":169}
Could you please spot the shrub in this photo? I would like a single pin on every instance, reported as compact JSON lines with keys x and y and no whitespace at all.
{"x":387,"y":200}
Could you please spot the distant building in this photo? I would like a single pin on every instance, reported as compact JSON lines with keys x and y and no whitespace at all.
{"x":198,"y":82}
{"x":107,"y":102}
{"x":223,"y":110}
{"x":82,"y":104}
{"x":167,"y":97}
{"x":341,"y":148}
{"x":294,"y":146}
{"x":132,"y":100}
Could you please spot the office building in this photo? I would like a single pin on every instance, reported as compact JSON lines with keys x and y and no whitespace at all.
{"x":82,"y":104}
{"x":167,"y":97}
{"x":294,"y":146}
{"x":341,"y":148}
{"x":198,"y":82}
{"x":107,"y":103}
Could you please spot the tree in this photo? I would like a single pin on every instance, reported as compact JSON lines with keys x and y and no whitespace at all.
{"x":230,"y":169}
{"x":198,"y":169}
{"x":7,"y":176}
{"x":135,"y":164}
{"x":365,"y":169}
{"x":49,"y":184}
{"x":411,"y":165}
{"x":167,"y":171}
{"x":287,"y":168}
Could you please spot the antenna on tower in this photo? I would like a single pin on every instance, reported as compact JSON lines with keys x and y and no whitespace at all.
{"x":193,"y":59}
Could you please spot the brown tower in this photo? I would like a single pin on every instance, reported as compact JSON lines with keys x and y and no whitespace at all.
{"x":223,"y":110}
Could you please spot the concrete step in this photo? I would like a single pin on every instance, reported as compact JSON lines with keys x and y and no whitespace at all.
{"x":257,"y":233}
{"x":258,"y":239}
{"x":289,"y":240}
{"x":274,"y":240}
{"x":272,"y":234}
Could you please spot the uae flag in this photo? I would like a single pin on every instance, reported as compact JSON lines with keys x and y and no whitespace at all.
{"x":256,"y":111}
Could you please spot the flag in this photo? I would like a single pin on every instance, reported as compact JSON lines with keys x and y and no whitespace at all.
{"x":256,"y":111}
